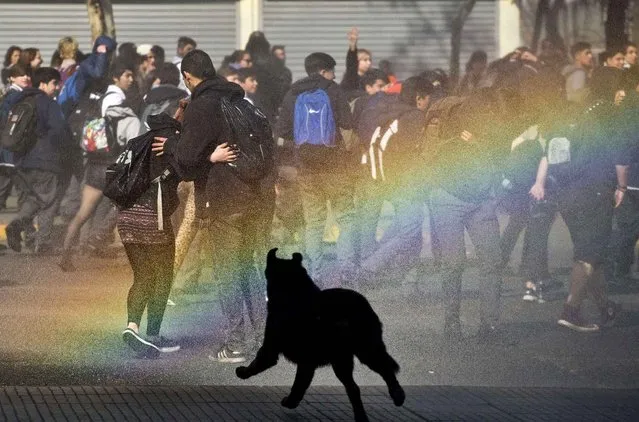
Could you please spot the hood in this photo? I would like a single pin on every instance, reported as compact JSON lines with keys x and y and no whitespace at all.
{"x":163,"y":93}
{"x":310,"y":83}
{"x":163,"y":121}
{"x":219,"y":85}
{"x":108,"y":41}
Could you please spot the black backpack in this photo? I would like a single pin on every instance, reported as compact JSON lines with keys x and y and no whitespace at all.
{"x":19,"y":130}
{"x":251,"y":132}
{"x":88,"y":109}
{"x":130,"y":176}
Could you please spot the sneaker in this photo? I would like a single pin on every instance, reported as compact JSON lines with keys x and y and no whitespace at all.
{"x":141,"y":346}
{"x":225,"y":355}
{"x":169,"y":302}
{"x":14,"y":237}
{"x":610,"y":313}
{"x":570,"y":318}
{"x":534,"y":294}
{"x":164,"y":344}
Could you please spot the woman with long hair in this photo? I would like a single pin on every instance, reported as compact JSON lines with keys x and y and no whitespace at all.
{"x":11,"y":58}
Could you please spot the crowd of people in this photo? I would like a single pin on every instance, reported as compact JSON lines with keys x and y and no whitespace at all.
{"x":534,"y":134}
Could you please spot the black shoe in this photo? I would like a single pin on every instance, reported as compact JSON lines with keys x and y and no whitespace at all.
{"x":550,"y":284}
{"x":610,"y":313}
{"x":164,"y":344}
{"x":14,"y":237}
{"x":143,"y":347}
{"x":66,"y":265}
{"x":225,"y":355}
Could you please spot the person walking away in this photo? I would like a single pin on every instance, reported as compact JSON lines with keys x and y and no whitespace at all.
{"x":325,"y":162}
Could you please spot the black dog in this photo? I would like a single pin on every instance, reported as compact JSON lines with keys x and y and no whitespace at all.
{"x":314,"y":328}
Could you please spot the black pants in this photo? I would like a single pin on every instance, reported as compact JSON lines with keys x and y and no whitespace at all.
{"x":234,"y":239}
{"x":624,"y":236}
{"x":152,"y":278}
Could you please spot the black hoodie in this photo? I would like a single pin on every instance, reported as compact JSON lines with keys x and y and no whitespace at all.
{"x":162,"y":99}
{"x":218,"y":190}
{"x":319,"y":159}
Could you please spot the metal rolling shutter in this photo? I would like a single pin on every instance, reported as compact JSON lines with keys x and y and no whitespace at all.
{"x":414,"y":35}
{"x":212,"y":25}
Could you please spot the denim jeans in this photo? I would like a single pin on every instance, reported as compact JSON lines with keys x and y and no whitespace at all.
{"x":451,"y":217}
{"x":318,"y":190}
{"x":401,"y":244}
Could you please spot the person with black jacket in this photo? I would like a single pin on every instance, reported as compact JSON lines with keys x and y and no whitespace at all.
{"x":394,"y":163}
{"x":227,"y":204}
{"x":149,"y":242}
{"x":40,"y":166}
{"x":358,"y":62}
{"x":164,"y":96}
{"x":325,"y":172}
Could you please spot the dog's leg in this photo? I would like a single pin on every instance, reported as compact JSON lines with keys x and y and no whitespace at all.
{"x":343,"y":369}
{"x":381,"y":362}
{"x":266,"y":358}
{"x":303,"y":378}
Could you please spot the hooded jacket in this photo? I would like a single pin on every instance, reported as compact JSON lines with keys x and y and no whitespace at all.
{"x":54,"y":140}
{"x":218,"y":190}
{"x":313,"y":158}
{"x":95,"y":66}
{"x":161,"y":99}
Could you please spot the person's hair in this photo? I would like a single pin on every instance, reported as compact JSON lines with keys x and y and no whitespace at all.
{"x":199,"y":64}
{"x":365,"y":51}
{"x":602,"y":57}
{"x":578,"y":47}
{"x":184,"y":41}
{"x":258,"y":46}
{"x":373,"y":75}
{"x":278,"y":47}
{"x":386,"y":66}
{"x":437,"y":77}
{"x":9,"y":53}
{"x":605,"y":83}
{"x":27,"y":56}
{"x":159,"y":54}
{"x":168,"y":74}
{"x":44,"y":75}
{"x":316,"y":62}
{"x":68,"y":47}
{"x":244,"y":73}
{"x":119,"y":67}
{"x":226,"y":71}
{"x":414,"y":87}
{"x":56,"y":60}
{"x":478,"y":56}
{"x":614,"y":51}
{"x":18,"y":70}
{"x":627,"y":45}
{"x":233,"y":58}
{"x":630,"y":79}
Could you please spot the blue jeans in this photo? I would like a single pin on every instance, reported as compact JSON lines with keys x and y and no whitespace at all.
{"x":401,"y":244}
{"x":317,"y":190}
{"x":452,"y":217}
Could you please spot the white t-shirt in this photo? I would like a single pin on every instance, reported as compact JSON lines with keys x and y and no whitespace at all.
{"x":113,"y":96}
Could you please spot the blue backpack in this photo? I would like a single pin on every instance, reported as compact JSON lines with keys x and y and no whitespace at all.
{"x":314,"y":123}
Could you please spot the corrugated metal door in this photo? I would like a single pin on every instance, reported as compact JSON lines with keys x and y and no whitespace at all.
{"x":211,"y":24}
{"x":414,"y":35}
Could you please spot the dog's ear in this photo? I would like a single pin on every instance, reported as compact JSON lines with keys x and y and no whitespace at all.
{"x":271,"y":257}
{"x":297,"y":258}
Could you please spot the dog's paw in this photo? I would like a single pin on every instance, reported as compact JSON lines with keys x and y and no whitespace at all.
{"x":242,"y":372}
{"x":289,"y":403}
{"x":398,"y":395}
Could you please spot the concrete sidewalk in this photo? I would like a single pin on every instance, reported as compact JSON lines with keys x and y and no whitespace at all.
{"x":232,"y":403}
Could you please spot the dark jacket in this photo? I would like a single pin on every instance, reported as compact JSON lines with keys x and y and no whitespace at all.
{"x":10,"y":99}
{"x":95,"y":66}
{"x":218,"y":190}
{"x":54,"y":138}
{"x":352,"y":82}
{"x":318,"y":158}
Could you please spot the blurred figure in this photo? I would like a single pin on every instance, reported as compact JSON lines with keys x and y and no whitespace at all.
{"x":475,"y":69}
{"x":11,"y":58}
{"x":578,"y":73}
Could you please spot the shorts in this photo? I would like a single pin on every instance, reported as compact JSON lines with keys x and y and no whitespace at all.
{"x":95,"y":175}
